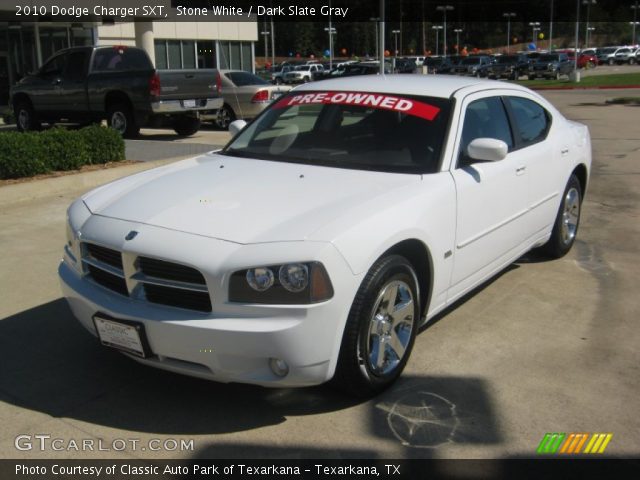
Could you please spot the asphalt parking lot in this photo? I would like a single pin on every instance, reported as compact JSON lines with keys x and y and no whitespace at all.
{"x":547,"y":346}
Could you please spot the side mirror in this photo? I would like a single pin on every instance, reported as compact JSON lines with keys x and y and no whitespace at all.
{"x":487,"y":149}
{"x":236,"y":126}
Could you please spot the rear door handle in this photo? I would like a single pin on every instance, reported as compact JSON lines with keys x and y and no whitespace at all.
{"x":520,"y":170}
{"x":564,"y":151}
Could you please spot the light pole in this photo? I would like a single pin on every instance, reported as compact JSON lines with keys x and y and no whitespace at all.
{"x":331,"y":31}
{"x":551,"y":27}
{"x":534,"y":26}
{"x":575,"y":56}
{"x":458,"y":30}
{"x":634,"y":7}
{"x":395,"y":34}
{"x":588,"y":3}
{"x":265,"y":33}
{"x":382,"y":15}
{"x":509,"y":16}
{"x":588,"y":36}
{"x":437,"y":28}
{"x":375,"y":25}
{"x":444,"y":9}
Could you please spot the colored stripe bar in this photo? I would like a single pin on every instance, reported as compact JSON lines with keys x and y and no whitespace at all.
{"x":546,"y":440}
{"x":582,"y":442}
{"x":591,"y":442}
{"x":606,"y":441}
{"x":558,"y":441}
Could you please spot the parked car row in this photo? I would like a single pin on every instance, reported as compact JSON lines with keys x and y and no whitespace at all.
{"x":617,"y":55}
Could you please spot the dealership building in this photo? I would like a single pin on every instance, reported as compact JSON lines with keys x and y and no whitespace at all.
{"x":171,"y":43}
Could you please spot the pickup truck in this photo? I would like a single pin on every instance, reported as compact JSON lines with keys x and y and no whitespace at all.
{"x":116,"y":83}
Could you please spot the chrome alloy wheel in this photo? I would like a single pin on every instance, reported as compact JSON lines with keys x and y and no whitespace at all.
{"x":570,"y":215}
{"x":119,"y":122}
{"x":390,"y":328}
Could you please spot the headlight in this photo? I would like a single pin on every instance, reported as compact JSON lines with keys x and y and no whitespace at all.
{"x":286,"y":284}
{"x":260,"y":279}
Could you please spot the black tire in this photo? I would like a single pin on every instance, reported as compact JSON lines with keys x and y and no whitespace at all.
{"x":278,"y":81}
{"x":611,"y":61}
{"x":632,"y":61}
{"x":565,"y":227}
{"x":355,"y":372}
{"x":224,"y":117}
{"x":26,"y":119}
{"x":185,"y":125}
{"x":120,"y":118}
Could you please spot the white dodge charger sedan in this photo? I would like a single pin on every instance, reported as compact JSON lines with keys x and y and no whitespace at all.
{"x":328,"y":231}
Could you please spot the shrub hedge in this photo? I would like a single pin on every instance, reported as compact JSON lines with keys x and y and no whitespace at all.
{"x":28,"y":154}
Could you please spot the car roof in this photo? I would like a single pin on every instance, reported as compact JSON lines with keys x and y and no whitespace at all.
{"x":442,"y":86}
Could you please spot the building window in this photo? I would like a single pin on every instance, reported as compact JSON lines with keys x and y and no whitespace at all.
{"x":188,"y":54}
{"x":236,"y":56}
{"x":161,"y":54}
{"x":173,"y":50}
{"x":206,"y":54}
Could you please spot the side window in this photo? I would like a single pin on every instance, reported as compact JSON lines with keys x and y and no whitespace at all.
{"x":532,"y":121}
{"x":53,"y":67}
{"x":75,"y":68}
{"x":485,"y":118}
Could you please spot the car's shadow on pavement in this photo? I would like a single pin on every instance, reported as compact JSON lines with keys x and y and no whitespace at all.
{"x":50,"y":364}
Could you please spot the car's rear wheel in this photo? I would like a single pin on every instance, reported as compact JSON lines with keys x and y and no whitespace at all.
{"x":611,"y":61}
{"x":381,"y":328}
{"x":26,"y":120}
{"x":567,"y":220}
{"x":224,"y":117}
{"x":632,"y":61}
{"x":185,"y":126}
{"x":120,"y":118}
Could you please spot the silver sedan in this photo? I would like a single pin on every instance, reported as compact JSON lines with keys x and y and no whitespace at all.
{"x":245,"y":96}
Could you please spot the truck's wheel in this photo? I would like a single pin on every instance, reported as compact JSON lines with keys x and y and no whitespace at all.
{"x":26,"y":120}
{"x":186,"y":126}
{"x":224,"y":117}
{"x":381,"y":328}
{"x":278,"y":81}
{"x":120,"y":118}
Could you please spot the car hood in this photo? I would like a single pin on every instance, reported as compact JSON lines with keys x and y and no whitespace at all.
{"x":243,"y":200}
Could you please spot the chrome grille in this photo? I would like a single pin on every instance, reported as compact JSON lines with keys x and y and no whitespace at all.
{"x":159,"y":281}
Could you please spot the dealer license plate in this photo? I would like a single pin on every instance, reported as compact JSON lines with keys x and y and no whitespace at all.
{"x":128,"y":337}
{"x":189,"y":104}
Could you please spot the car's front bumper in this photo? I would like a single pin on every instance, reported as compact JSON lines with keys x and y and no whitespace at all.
{"x":235,"y":342}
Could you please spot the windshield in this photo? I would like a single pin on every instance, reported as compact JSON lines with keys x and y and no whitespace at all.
{"x":365,"y":131}
{"x":548,"y":58}
{"x":608,"y":50}
{"x":302,"y":68}
{"x":470,"y":61}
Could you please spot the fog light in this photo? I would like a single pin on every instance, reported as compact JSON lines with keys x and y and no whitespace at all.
{"x":279,"y":367}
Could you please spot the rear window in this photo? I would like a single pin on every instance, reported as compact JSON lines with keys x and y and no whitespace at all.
{"x":243,"y":79}
{"x":118,"y":59}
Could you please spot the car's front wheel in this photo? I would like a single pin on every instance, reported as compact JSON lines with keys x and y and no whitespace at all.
{"x":567,"y":220}
{"x":381,"y":328}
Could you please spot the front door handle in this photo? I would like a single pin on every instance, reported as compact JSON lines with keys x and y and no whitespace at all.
{"x":520,"y":170}
{"x":564,"y":151}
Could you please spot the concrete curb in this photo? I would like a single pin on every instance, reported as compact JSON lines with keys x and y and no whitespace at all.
{"x":45,"y":187}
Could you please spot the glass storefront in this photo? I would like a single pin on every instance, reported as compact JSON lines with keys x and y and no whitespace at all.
{"x":181,"y":54}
